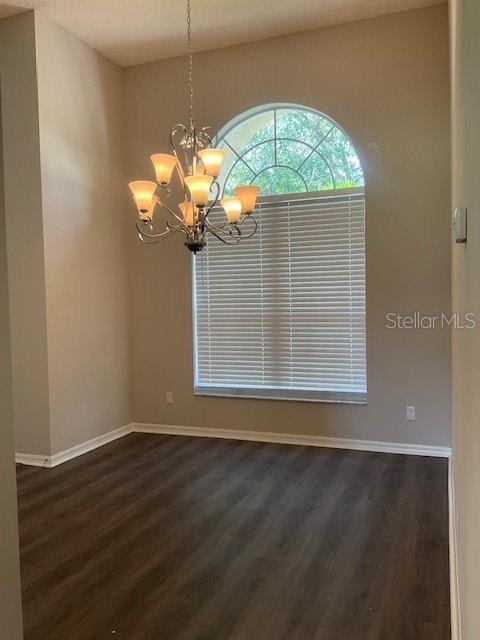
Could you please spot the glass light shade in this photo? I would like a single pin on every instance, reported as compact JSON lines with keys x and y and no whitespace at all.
{"x":143,"y":192}
{"x":188,"y":212}
{"x":164,"y":164}
{"x":212,"y":159}
{"x":199,"y":187}
{"x":248,"y":196}
{"x":233,"y":208}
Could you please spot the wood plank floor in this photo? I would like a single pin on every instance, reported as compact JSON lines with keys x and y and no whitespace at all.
{"x":173,"y":538}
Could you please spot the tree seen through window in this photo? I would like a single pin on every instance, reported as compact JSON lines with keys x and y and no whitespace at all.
{"x":289,"y":150}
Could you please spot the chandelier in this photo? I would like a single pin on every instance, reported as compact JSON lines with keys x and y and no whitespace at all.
{"x":197,"y":166}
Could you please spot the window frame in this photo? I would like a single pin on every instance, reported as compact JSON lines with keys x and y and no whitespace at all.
{"x":222,"y":138}
{"x":278,"y":393}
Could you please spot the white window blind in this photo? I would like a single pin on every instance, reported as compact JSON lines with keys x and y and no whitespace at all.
{"x":283,"y":314}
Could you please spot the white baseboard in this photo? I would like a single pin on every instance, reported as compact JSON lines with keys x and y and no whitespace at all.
{"x":63,"y":456}
{"x":286,"y":438}
{"x":231,"y":434}
{"x":453,"y":553}
{"x":32,"y":460}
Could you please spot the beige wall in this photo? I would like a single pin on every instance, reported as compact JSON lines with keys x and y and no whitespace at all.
{"x":66,"y":236}
{"x":466,"y":299}
{"x":25,"y":235}
{"x":386,"y":82}
{"x":81,"y":103}
{"x":10,"y":598}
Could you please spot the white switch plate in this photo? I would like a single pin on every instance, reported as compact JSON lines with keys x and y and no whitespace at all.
{"x":410,"y":412}
{"x":169,"y":397}
{"x":459,"y":224}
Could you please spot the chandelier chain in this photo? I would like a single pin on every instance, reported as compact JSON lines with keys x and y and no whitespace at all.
{"x":190,"y":62}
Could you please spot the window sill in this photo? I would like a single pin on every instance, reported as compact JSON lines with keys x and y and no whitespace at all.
{"x":332,"y":397}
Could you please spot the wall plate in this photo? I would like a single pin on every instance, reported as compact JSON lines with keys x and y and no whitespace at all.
{"x":459,"y":225}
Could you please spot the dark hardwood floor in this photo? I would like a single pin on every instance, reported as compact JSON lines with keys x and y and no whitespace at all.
{"x":173,"y":538}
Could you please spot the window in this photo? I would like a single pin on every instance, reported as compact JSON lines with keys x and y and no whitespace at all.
{"x":282,"y":315}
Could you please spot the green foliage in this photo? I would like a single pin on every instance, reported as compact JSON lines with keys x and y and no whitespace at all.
{"x":291,"y":151}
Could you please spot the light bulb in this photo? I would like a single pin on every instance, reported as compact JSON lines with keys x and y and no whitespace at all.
{"x":148,"y":216}
{"x":199,"y":187}
{"x":248,"y":196}
{"x":233,"y":208}
{"x":188,"y":212}
{"x":164,"y":164}
{"x":143,"y":193}
{"x":212,"y":159}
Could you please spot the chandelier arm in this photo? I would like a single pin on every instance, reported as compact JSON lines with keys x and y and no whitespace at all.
{"x":145,"y":241}
{"x":145,"y":234}
{"x":221,"y":228}
{"x":167,"y":208}
{"x":225,"y":241}
{"x":179,"y":127}
{"x":218,"y":228}
{"x":182,"y":148}
{"x":255,"y":227}
{"x":204,"y":137}
{"x":178,"y":229}
{"x":215,"y":202}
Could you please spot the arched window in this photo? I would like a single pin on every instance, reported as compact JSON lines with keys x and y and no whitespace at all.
{"x":282,"y":315}
{"x":288,"y":149}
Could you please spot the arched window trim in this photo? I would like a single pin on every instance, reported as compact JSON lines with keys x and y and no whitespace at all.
{"x":222,"y":139}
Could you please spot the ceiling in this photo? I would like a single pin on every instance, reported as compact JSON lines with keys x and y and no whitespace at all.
{"x":134,"y":31}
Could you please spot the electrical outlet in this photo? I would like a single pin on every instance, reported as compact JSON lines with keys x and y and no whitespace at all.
{"x":169,"y":397}
{"x":410,"y":412}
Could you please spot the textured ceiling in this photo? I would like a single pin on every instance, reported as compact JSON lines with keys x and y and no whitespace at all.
{"x":134,"y":31}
